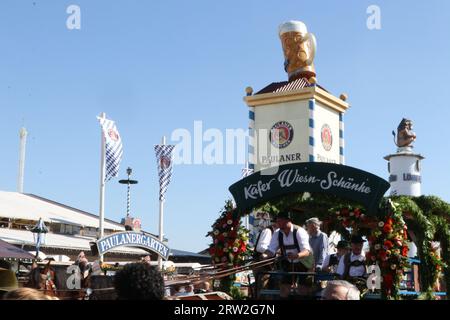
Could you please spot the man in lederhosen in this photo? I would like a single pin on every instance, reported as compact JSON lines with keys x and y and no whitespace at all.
{"x":331,"y":262}
{"x":261,"y":245}
{"x":353,"y":264}
{"x":293,"y":242}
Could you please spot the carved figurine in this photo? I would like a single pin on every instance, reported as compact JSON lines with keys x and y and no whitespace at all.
{"x":405,"y":136}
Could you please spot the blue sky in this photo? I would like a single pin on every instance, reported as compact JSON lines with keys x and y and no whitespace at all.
{"x":155,"y":66}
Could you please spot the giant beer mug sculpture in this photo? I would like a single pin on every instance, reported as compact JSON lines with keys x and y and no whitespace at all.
{"x":299,"y":49}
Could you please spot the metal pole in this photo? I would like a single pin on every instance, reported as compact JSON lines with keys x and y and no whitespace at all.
{"x":246,"y":219}
{"x":23,"y":142}
{"x":102,"y":185}
{"x":128,"y":197}
{"x":161,"y":217}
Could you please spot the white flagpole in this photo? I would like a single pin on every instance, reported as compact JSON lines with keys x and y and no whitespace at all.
{"x":161,"y":217}
{"x":102,"y":185}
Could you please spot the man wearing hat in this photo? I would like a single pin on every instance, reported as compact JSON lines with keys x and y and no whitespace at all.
{"x":261,"y":245}
{"x":265,"y":236}
{"x":353,"y":264}
{"x":331,"y":262}
{"x":318,"y":241}
{"x":8,"y":281}
{"x":293,"y":241}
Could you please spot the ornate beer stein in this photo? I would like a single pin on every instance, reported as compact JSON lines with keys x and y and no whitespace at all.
{"x":299,"y":49}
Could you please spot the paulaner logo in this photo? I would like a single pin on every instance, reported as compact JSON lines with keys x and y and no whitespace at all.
{"x":326,"y":137}
{"x":281,"y":134}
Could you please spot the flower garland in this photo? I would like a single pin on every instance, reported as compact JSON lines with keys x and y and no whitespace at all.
{"x":424,"y":229}
{"x":443,"y":236}
{"x":428,"y":219}
{"x":350,"y":220}
{"x":230,"y":239}
{"x":389,"y":250}
{"x":437,"y":263}
{"x":348,"y":217}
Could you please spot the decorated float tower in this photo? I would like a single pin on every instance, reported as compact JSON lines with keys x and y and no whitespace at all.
{"x":404,"y":166}
{"x":296,"y":120}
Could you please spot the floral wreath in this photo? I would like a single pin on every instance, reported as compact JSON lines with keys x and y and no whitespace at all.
{"x":350,"y":220}
{"x":387,"y":241}
{"x":437,"y":263}
{"x":230,"y":238}
{"x":388,"y":249}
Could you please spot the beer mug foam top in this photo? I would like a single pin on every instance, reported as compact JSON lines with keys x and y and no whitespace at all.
{"x":293,"y":26}
{"x":299,"y":47}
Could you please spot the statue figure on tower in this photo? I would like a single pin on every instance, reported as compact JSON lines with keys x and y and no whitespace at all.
{"x":405,"y":136}
{"x":299,"y":47}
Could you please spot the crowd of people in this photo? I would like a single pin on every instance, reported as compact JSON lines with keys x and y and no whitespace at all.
{"x":306,"y":249}
{"x":135,"y":281}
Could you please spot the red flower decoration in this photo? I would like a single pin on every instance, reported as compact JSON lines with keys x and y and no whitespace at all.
{"x":357,"y":212}
{"x":389,"y":221}
{"x":345,"y":212}
{"x":388,"y":244}
{"x":387,"y":228}
{"x":405,"y":251}
{"x":388,"y":280}
{"x":382,"y":255}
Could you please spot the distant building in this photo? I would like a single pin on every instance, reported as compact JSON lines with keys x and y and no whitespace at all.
{"x":70,"y":230}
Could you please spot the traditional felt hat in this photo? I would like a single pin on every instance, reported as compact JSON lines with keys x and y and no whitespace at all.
{"x":285,"y":215}
{"x":8,"y":280}
{"x":343,"y":244}
{"x":357,"y":239}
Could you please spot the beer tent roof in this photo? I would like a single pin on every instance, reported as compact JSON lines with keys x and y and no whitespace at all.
{"x":9,"y":251}
{"x":15,"y":205}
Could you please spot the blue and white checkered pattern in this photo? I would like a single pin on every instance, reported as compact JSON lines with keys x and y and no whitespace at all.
{"x":113,"y":147}
{"x":311,"y":107}
{"x":251,"y":141}
{"x":341,"y":138}
{"x":164,"y":160}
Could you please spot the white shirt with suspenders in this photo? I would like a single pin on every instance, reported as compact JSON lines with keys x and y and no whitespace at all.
{"x":358,"y":271}
{"x":263,"y":241}
{"x":288,"y":241}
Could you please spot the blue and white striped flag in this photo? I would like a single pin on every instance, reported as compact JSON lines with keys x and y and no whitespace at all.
{"x":164,"y":160}
{"x":113,"y":147}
